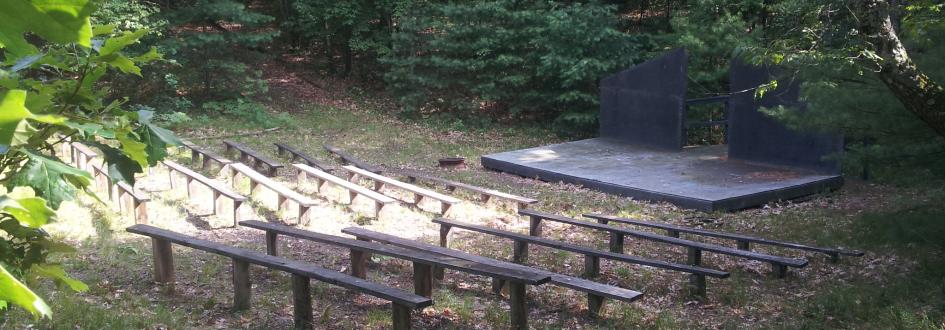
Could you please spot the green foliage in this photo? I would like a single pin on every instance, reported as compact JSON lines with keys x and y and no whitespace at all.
{"x":49,"y":92}
{"x":536,"y":59}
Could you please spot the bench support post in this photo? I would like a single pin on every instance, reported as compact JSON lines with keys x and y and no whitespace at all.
{"x":594,"y":304}
{"x":423,"y":279}
{"x":744,"y":245}
{"x":616,"y":242}
{"x":695,"y":256}
{"x":497,"y":285}
{"x":140,"y":210}
{"x":272,"y":243}
{"x":778,"y":270}
{"x":445,"y":235}
{"x":242,"y":289}
{"x":163,"y":263}
{"x":834,"y":257}
{"x":534,"y":226}
{"x":400,"y":319}
{"x":378,"y":206}
{"x":697,"y":285}
{"x":519,"y":252}
{"x":190,"y":188}
{"x":302,"y":301}
{"x":304,"y":214}
{"x":672,"y":233}
{"x":359,"y":264}
{"x":444,"y":207}
{"x":237,"y":205}
{"x":591,"y":266}
{"x":519,"y":305}
{"x":602,"y":221}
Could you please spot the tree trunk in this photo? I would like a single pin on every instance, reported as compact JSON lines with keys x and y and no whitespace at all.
{"x":917,"y":92}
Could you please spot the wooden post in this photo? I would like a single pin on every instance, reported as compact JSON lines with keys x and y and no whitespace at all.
{"x":302,"y":300}
{"x":170,"y":177}
{"x":318,"y":184}
{"x":190,"y":188}
{"x":834,"y":257}
{"x":591,"y":266}
{"x":301,"y":177}
{"x":519,"y":306}
{"x":616,"y":242}
{"x":484,"y":198}
{"x":602,"y":221}
{"x":272,"y":243}
{"x":497,"y":285}
{"x":444,"y":207}
{"x":304,"y":214}
{"x":242,"y":289}
{"x":594,"y":304}
{"x":697,"y":285}
{"x":695,"y":256}
{"x":252,"y":186}
{"x":451,"y":189}
{"x":400,"y":318}
{"x":359,"y":264}
{"x":519,"y":252}
{"x":534,"y":226}
{"x":163,"y":263}
{"x":282,"y":203}
{"x":378,"y":206}
{"x":422,"y":279}
{"x":140,"y":210}
{"x":237,"y":205}
{"x":351,"y":195}
{"x":206,"y":163}
{"x":672,"y":233}
{"x":744,"y":245}
{"x":778,"y":270}
{"x":217,"y":202}
{"x":444,"y":235}
{"x":378,"y":185}
{"x":416,"y":199}
{"x":194,"y":156}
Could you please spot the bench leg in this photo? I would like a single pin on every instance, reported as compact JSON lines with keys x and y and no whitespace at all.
{"x":141,"y":211}
{"x":190,"y":188}
{"x":594,"y":304}
{"x":318,"y":185}
{"x":301,"y":176}
{"x":377,"y":209}
{"x":282,"y":204}
{"x":272,"y":171}
{"x":378,"y":185}
{"x":519,"y":306}
{"x":591,"y":266}
{"x":272,"y":243}
{"x":400,"y":317}
{"x":451,"y":189}
{"x":519,"y":252}
{"x":170,"y":178}
{"x":351,"y":195}
{"x":127,"y":204}
{"x":242,"y":289}
{"x":444,"y":207}
{"x":778,"y":270}
{"x":534,"y":226}
{"x":484,"y":198}
{"x":695,"y":256}
{"x":697,"y":285}
{"x":834,"y":257}
{"x":359,"y":264}
{"x":194,"y":156}
{"x":422,"y":279}
{"x":237,"y":206}
{"x":672,"y":233}
{"x":603,"y":221}
{"x":252,"y":186}
{"x":497,"y":285}
{"x":445,"y":235}
{"x":205,"y":165}
{"x":616,"y":242}
{"x":217,"y":202}
{"x":304,"y":214}
{"x":744,"y":245}
{"x":163,"y":263}
{"x":416,"y":199}
{"x":302,"y":301}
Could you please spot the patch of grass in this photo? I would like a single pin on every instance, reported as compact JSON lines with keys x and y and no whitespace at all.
{"x":496,"y":316}
{"x":72,"y":309}
{"x":378,"y":318}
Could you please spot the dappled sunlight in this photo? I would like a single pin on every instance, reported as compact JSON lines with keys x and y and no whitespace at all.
{"x":539,"y":155}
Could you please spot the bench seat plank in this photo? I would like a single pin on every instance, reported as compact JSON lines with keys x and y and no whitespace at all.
{"x":568,"y":281}
{"x":737,"y":237}
{"x":308,"y":159}
{"x":205,"y":152}
{"x":585,"y":250}
{"x":360,"y":190}
{"x":258,"y":157}
{"x":290,"y":266}
{"x":272,"y":184}
{"x":463,"y":265}
{"x":348,"y":159}
{"x":405,"y":186}
{"x":213,"y":184}
{"x":797,"y":263}
{"x":449,"y":183}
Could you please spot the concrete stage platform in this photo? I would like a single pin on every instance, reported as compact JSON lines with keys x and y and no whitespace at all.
{"x":701,"y":178}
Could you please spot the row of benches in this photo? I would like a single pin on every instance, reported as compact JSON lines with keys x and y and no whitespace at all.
{"x":123,"y":196}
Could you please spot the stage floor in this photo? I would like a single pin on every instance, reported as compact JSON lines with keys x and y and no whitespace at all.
{"x":699,"y":178}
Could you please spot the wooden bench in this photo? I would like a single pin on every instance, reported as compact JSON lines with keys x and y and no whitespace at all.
{"x":354,"y":190}
{"x":122,"y":195}
{"x":218,"y":188}
{"x":82,"y":156}
{"x":743,"y":241}
{"x":423,"y":263}
{"x":779,"y":264}
{"x":252,"y":158}
{"x":418,"y":193}
{"x":591,"y":256}
{"x":162,"y":240}
{"x":596,"y":292}
{"x":484,"y":193}
{"x":351,"y":160}
{"x":295,"y":154}
{"x":284,"y":193}
{"x":204,"y":157}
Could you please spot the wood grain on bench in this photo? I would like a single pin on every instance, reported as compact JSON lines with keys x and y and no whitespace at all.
{"x":353,"y":189}
{"x":301,"y":272}
{"x":419,"y":193}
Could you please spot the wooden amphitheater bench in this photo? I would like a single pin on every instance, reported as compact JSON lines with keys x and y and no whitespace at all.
{"x":779,"y":264}
{"x":591,"y":256}
{"x":596,"y":292}
{"x":284,"y":193}
{"x":485,"y":193}
{"x":121,"y":194}
{"x":283,"y":148}
{"x":219,"y":189}
{"x":204,"y":157}
{"x":252,"y":158}
{"x":302,"y":273}
{"x":354,"y":190}
{"x":423,"y":263}
{"x":347,"y":159}
{"x":418,"y":193}
{"x":743,"y":241}
{"x":82,"y":156}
